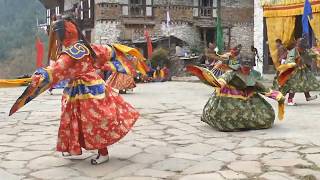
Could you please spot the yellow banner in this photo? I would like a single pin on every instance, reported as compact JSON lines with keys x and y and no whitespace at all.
{"x":288,"y":8}
{"x":279,"y":28}
{"x":281,"y":2}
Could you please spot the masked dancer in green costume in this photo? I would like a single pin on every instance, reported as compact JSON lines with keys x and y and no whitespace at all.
{"x":295,"y":73}
{"x":236,"y":103}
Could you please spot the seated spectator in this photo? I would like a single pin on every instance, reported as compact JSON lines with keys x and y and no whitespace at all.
{"x":166,"y":73}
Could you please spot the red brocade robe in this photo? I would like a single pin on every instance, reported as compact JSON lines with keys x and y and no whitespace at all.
{"x":121,"y":81}
{"x":93,"y":115}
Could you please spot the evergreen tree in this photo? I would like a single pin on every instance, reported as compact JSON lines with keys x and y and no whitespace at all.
{"x":18,"y":30}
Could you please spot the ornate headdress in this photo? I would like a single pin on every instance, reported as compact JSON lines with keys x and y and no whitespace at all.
{"x":65,"y":30}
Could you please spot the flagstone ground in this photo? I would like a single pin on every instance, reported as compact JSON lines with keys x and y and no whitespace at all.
{"x":168,"y":141}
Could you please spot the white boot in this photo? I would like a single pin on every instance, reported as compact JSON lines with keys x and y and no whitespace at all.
{"x":100,"y":159}
{"x":312,"y":98}
{"x":67,"y":155}
{"x":292,"y":103}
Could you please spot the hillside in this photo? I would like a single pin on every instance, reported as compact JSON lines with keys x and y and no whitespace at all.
{"x":18,"y":30}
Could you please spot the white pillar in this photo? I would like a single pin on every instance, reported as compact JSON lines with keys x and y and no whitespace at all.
{"x":258,"y":32}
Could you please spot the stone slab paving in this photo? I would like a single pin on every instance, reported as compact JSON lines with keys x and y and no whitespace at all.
{"x":168,"y":141}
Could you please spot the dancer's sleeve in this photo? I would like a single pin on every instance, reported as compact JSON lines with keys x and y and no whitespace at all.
{"x":273,"y":94}
{"x":226,"y":78}
{"x":205,"y":75}
{"x":58,"y":71}
{"x":115,"y":58}
{"x":43,"y":79}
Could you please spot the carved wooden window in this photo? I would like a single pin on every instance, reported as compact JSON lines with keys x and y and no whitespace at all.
{"x":125,"y":8}
{"x":86,"y":9}
{"x":48,"y":16}
{"x":50,"y":13}
{"x":55,"y":10}
{"x":204,"y":8}
{"x":149,"y":11}
{"x":137,"y":8}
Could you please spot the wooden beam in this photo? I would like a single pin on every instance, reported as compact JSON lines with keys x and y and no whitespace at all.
{"x":48,"y":4}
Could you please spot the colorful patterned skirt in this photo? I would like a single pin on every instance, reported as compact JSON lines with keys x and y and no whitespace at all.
{"x":303,"y":80}
{"x":93,"y":117}
{"x":227,"y":113}
{"x":121,"y":81}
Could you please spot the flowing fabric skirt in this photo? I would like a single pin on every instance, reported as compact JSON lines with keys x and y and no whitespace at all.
{"x":121,"y":81}
{"x":303,"y":80}
{"x":233,"y":114}
{"x":93,"y":122}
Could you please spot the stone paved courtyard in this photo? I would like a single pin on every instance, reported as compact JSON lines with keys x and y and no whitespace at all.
{"x":168,"y":142}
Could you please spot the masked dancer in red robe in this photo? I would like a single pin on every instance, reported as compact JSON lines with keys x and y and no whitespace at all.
{"x":93,"y":115}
